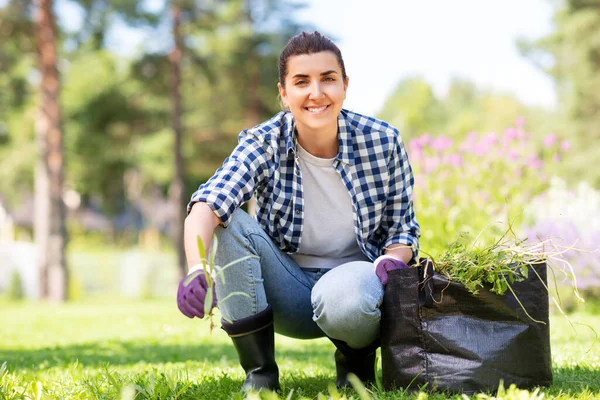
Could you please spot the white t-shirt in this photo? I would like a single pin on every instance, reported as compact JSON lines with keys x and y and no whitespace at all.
{"x":328,"y":237}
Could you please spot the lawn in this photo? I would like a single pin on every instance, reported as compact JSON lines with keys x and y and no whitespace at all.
{"x":124,"y":349}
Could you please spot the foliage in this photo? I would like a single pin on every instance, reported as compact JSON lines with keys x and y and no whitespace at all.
{"x":414,"y":109}
{"x":117,"y":109}
{"x":571,"y":56}
{"x":149,"y":350}
{"x":476,"y":184}
{"x":16,"y":100}
{"x":499,"y":265}
{"x":103,"y":111}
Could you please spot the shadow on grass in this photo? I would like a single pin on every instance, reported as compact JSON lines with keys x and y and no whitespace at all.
{"x":127,"y":353}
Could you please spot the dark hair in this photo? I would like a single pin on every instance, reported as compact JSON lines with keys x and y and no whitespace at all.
{"x":307,"y":43}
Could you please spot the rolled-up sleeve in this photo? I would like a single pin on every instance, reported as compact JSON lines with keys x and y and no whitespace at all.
{"x":235,"y":181}
{"x":399,"y":221}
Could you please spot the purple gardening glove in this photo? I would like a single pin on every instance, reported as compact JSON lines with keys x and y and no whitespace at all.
{"x":191,"y":295}
{"x":385,"y":264}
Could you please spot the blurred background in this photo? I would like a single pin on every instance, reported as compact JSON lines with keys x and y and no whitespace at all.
{"x":112,"y":112}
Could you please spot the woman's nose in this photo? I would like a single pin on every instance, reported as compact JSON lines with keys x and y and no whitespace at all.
{"x":316,"y":91}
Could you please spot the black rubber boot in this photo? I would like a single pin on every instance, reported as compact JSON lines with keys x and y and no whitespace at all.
{"x":360,"y":362}
{"x":254,"y":341}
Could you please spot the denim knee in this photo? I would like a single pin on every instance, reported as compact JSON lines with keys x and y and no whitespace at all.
{"x":233,"y":243}
{"x":346,"y":303}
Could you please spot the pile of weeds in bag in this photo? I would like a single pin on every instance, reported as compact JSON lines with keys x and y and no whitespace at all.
{"x":474,"y":317}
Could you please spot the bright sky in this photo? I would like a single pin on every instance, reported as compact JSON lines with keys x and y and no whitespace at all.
{"x":385,"y":41}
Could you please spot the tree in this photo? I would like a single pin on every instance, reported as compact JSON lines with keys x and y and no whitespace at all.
{"x":177,"y":186}
{"x":571,"y":55}
{"x":412,"y":108}
{"x":51,"y":236}
{"x":17,"y":101}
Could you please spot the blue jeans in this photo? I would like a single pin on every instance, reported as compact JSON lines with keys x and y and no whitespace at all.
{"x":342,"y":303}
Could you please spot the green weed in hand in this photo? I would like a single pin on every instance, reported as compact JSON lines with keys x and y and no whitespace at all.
{"x":211,"y":271}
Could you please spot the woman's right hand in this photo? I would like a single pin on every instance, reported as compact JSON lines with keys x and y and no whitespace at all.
{"x":191,"y":295}
{"x":384,"y":264}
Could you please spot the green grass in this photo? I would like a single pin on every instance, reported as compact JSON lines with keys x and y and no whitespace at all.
{"x":118,"y":350}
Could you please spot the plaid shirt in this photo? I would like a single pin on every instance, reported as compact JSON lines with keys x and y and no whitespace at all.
{"x":372,"y":163}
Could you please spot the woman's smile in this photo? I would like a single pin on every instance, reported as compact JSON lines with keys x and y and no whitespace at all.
{"x":317,"y":110}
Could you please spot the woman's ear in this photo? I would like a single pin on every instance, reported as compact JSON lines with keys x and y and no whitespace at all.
{"x":282,"y":95}
{"x":346,"y":82}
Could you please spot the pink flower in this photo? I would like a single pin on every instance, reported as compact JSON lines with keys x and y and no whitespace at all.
{"x":430,"y":165}
{"x":454,"y":159}
{"x":414,"y":149}
{"x":549,"y":141}
{"x":441,"y":143}
{"x":424,"y":140}
{"x":534,"y":162}
{"x":513,"y":155}
{"x":472,"y":136}
{"x":491,"y":138}
{"x":565,"y":145}
{"x":511,"y":133}
{"x":520,"y":122}
{"x":481,"y":148}
{"x":556,"y":158}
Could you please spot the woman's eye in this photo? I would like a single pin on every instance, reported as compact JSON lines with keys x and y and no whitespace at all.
{"x":329,"y":79}
{"x":301,"y":82}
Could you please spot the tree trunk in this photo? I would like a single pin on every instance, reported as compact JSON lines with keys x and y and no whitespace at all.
{"x":50,"y":230}
{"x":177,"y":187}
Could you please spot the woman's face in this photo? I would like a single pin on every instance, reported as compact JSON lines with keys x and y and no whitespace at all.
{"x":314,"y":91}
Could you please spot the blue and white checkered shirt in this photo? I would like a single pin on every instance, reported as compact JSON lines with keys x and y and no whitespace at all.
{"x":372,"y":163}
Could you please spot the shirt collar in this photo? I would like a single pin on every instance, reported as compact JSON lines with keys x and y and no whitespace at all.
{"x":289,"y":131}
{"x":345,"y":137}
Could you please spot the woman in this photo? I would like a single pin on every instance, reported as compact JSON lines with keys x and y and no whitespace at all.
{"x":333,"y":192}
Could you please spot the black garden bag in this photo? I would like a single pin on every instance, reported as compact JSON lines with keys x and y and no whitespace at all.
{"x":435,"y":333}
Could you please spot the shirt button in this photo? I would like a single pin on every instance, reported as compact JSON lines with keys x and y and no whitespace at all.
{"x":297,"y":211}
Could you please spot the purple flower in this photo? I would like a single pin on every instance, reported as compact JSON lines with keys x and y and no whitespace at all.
{"x":580,"y":251}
